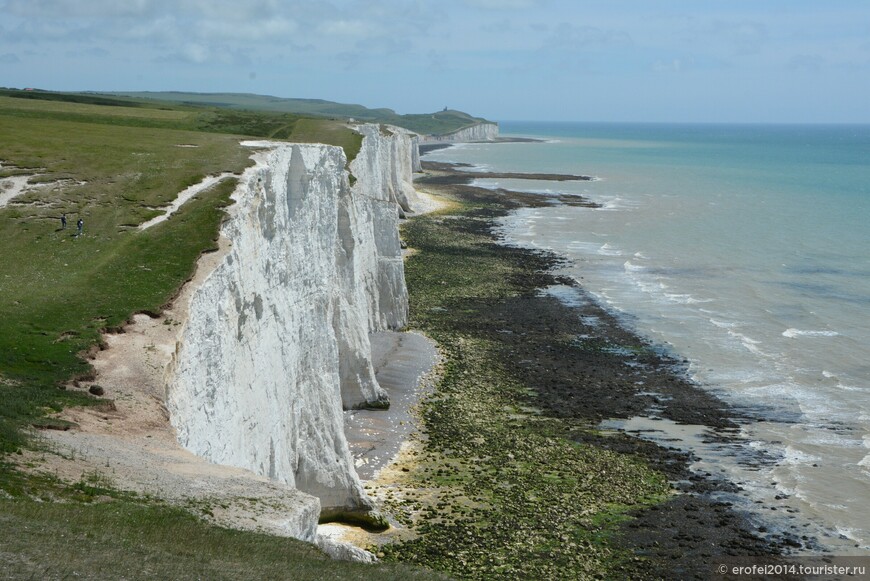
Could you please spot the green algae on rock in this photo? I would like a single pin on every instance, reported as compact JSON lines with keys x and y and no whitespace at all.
{"x":504,"y":490}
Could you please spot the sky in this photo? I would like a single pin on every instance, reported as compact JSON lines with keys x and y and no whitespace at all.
{"x":779,"y":61}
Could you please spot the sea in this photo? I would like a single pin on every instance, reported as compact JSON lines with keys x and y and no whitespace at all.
{"x":745,"y":250}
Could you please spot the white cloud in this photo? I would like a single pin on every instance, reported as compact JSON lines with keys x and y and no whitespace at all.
{"x":95,"y":52}
{"x":568,"y":37}
{"x":79,"y":9}
{"x":354,"y":29}
{"x":36,"y":31}
{"x":164,"y":30}
{"x":196,"y":53}
{"x":515,"y":45}
{"x":673,"y":66}
{"x":247,"y":31}
{"x":503,"y":4}
{"x":806,"y":62}
{"x":744,"y":37}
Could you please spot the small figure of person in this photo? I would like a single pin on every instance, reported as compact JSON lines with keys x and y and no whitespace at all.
{"x":81,"y":226}
{"x":63,"y":221}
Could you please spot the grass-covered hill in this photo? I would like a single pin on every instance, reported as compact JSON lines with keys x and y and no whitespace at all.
{"x":127,"y":111}
{"x":430,"y":123}
{"x":114,"y":163}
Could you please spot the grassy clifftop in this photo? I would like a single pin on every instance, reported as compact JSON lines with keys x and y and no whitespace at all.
{"x":115,"y":163}
{"x":131,"y":112}
{"x":429,"y":123}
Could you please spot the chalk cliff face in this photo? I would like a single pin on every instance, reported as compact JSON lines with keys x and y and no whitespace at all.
{"x":479,"y":132}
{"x":384,"y":192}
{"x":277,"y":339}
{"x":392,"y":154}
{"x":416,"y":164}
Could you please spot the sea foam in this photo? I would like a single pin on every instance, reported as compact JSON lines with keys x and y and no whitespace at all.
{"x":793,"y":333}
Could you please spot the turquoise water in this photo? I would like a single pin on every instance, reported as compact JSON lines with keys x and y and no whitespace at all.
{"x":746,"y":250}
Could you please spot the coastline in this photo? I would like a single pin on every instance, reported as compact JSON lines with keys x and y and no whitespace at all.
{"x":427,"y":147}
{"x":583,"y":367}
{"x":691,"y":251}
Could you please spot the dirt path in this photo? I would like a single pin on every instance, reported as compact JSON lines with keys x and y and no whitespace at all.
{"x":184,"y":196}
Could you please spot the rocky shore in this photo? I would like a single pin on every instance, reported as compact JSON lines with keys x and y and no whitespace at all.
{"x":559,"y":369}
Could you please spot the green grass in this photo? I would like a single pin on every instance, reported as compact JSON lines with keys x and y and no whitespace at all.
{"x":429,"y":123}
{"x":86,"y":109}
{"x":117,"y":164}
{"x":58,"y":291}
{"x":313,"y":130}
{"x":123,"y":539}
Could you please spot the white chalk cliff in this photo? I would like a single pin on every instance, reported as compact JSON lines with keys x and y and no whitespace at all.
{"x":472,"y":133}
{"x":276,"y":343}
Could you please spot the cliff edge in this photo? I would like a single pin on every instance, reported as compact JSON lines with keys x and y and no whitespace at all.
{"x":477,"y":132}
{"x":233,"y":400}
{"x":276,"y":342}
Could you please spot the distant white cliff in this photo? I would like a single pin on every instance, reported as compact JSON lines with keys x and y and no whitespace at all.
{"x":276,"y":344}
{"x":478,"y":132}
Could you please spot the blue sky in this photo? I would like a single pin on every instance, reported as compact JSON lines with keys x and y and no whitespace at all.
{"x":615,"y":60}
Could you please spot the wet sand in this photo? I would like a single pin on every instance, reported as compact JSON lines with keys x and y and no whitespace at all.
{"x":402,"y":363}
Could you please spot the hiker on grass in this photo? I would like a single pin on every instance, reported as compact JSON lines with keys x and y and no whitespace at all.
{"x":63,"y":221}
{"x":81,"y":225}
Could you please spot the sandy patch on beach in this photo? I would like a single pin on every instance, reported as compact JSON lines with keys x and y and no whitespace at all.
{"x":429,"y":202}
